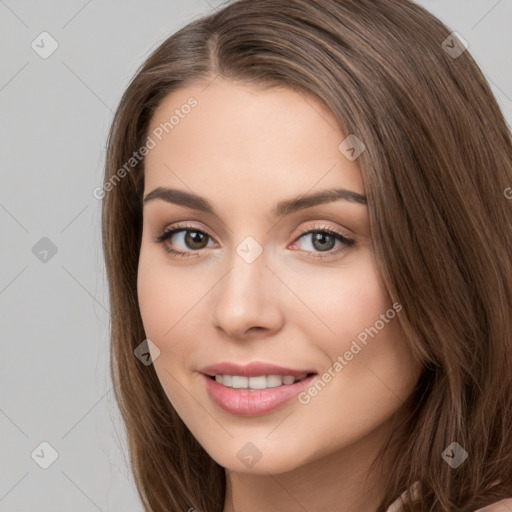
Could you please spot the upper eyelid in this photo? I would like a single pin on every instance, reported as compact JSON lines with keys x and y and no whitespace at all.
{"x":185,"y":226}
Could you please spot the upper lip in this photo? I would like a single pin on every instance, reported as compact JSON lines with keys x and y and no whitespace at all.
{"x":254,"y":369}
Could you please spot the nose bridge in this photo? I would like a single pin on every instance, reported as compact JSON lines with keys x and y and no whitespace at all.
{"x":246,"y":279}
{"x":246,"y":296}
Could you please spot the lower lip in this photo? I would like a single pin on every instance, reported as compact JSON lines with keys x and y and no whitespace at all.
{"x":253,"y":402}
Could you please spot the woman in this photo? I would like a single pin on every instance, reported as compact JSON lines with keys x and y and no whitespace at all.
{"x":307,"y":236}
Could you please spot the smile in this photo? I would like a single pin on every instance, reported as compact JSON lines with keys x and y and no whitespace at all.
{"x":249,"y":401}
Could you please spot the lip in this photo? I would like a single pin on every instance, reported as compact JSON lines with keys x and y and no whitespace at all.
{"x":253,"y":402}
{"x":254,"y":369}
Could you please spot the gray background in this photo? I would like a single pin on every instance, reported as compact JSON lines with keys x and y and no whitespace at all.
{"x":55,"y":113}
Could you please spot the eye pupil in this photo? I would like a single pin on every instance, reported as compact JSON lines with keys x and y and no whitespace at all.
{"x":321,"y":238}
{"x":192,"y":238}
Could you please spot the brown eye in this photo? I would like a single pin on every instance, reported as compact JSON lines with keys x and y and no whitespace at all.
{"x":194,"y":239}
{"x":183,"y":240}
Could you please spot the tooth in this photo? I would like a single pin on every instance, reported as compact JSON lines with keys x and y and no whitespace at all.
{"x":240,"y":382}
{"x":273,"y":381}
{"x":258,"y":382}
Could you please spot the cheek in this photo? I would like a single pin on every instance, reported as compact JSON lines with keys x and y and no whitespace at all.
{"x":163,"y":302}
{"x":153,"y":293}
{"x":163,"y":295}
{"x":172,"y":307}
{"x":357,"y":322}
{"x":344,"y":302}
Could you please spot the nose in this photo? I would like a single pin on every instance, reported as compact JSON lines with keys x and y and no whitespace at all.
{"x":247,"y":300}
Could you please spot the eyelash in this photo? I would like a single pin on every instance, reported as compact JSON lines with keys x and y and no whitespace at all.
{"x":169,"y":232}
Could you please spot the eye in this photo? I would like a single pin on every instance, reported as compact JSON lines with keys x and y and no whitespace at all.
{"x":189,"y":236}
{"x":322,"y":239}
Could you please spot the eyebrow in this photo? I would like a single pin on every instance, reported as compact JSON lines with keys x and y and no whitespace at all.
{"x":195,"y":202}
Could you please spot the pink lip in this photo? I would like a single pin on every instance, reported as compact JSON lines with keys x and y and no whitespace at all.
{"x":254,"y":369}
{"x":253,"y":402}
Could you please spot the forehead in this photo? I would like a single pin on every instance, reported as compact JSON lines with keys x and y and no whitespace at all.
{"x":240,"y":140}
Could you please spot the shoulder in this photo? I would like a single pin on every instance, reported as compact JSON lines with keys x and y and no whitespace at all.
{"x":500,"y":506}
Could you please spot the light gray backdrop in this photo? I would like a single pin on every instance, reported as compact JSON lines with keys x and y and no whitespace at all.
{"x":55,"y":112}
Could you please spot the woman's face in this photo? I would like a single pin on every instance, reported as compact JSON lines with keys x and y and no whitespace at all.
{"x":254,"y":285}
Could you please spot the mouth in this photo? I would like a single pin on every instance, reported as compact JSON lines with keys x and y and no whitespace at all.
{"x":258,"y":395}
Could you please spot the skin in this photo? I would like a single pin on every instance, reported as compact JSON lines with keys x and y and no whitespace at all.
{"x":502,"y":506}
{"x":245,"y":149}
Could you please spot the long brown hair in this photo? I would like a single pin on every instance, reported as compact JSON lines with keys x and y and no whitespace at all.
{"x":438,"y":159}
